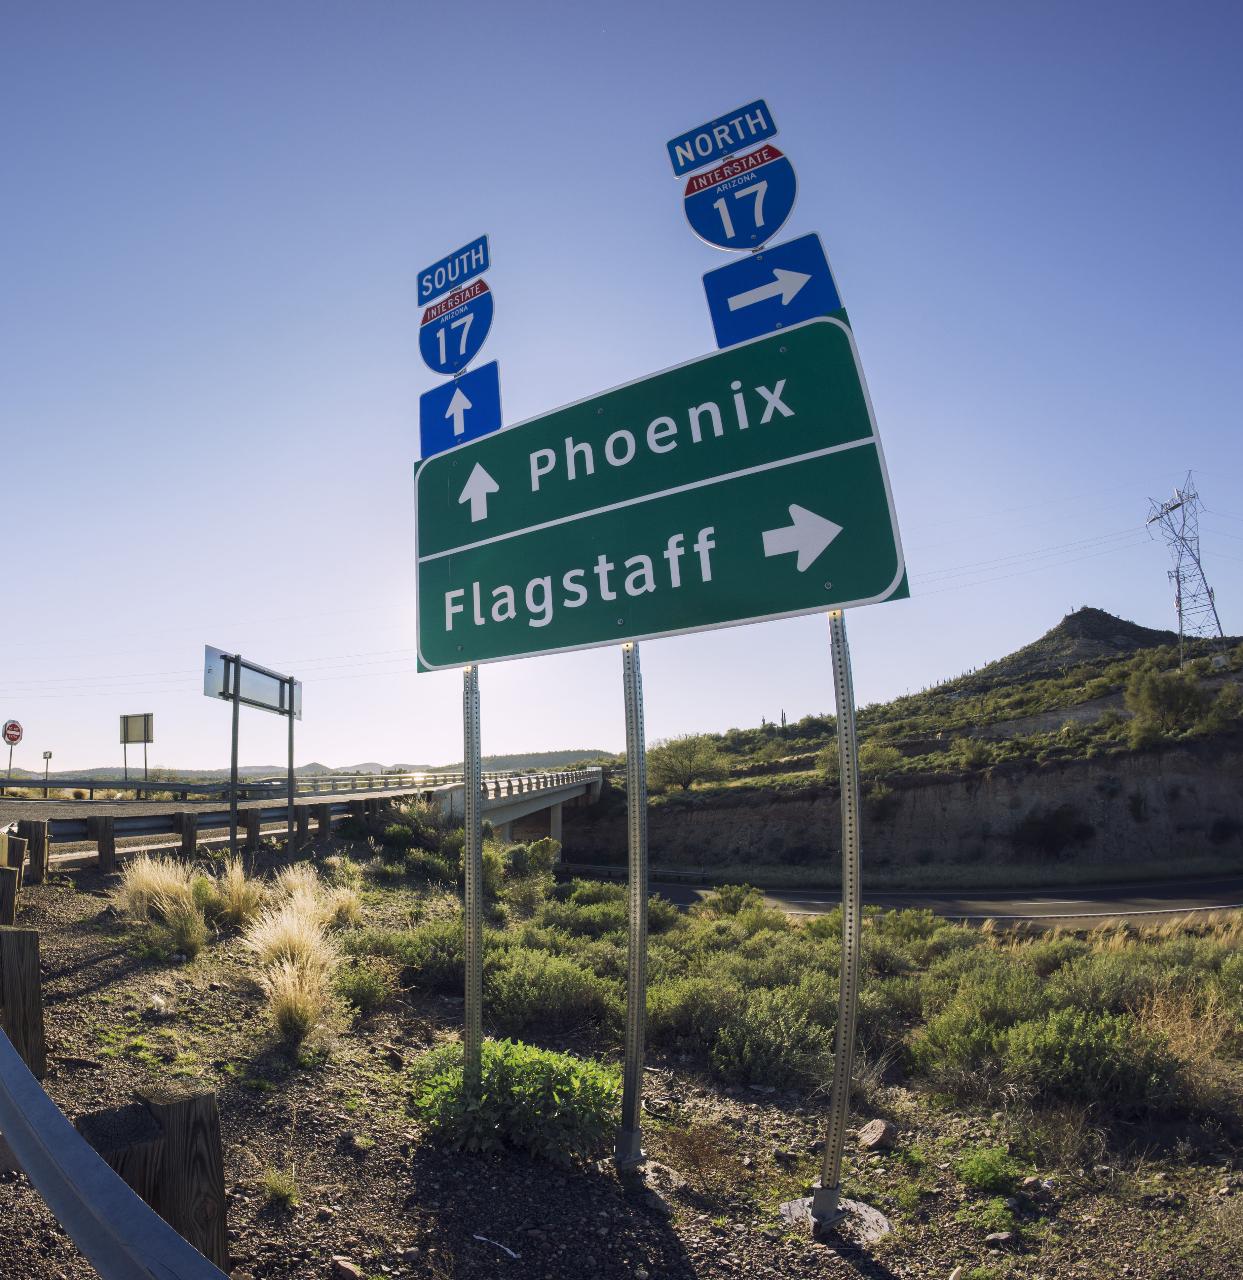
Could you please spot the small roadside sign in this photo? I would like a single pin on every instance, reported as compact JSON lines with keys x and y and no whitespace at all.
{"x":745,"y":485}
{"x":454,"y":329}
{"x":727,"y":134}
{"x":12,"y":732}
{"x":461,"y":410}
{"x":454,"y":270}
{"x":780,"y":286}
{"x":743,"y":202}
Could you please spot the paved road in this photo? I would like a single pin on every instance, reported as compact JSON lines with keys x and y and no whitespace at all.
{"x":1080,"y":903}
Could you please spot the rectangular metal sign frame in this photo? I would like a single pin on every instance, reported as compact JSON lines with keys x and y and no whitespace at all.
{"x":839,"y":447}
{"x":138,"y":728}
{"x":218,"y":677}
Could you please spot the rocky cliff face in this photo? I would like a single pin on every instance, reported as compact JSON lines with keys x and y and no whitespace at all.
{"x":1142,"y":807}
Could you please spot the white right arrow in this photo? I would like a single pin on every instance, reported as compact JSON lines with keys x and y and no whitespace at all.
{"x":476,"y":491}
{"x":785,"y":283}
{"x":457,"y":410}
{"x":809,"y":535}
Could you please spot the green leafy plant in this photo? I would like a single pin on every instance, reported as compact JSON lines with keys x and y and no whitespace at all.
{"x":553,"y":1105}
{"x":989,"y":1169}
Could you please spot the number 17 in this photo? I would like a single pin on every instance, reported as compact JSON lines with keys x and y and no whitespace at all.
{"x":758,"y":191}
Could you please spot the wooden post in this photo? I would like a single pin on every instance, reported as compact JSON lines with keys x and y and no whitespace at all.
{"x":303,"y":814}
{"x":323,"y":820}
{"x":254,"y":819}
{"x":101,"y":829}
{"x":35,"y":835}
{"x":10,"y":882}
{"x":188,"y":822}
{"x":358,"y":810}
{"x":21,"y":997}
{"x":167,"y":1148}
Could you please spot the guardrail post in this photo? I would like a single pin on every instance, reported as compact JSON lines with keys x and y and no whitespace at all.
{"x":302,"y":814}
{"x":188,"y":824}
{"x":35,"y":834}
{"x":21,"y":997}
{"x":167,"y":1148}
{"x":254,"y":824}
{"x":323,"y":820}
{"x":13,"y":849}
{"x":101,"y":828}
{"x":358,"y":810}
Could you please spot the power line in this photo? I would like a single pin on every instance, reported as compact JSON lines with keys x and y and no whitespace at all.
{"x":1179,"y":522}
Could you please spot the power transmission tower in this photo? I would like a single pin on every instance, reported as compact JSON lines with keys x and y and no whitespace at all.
{"x":1179,"y":522}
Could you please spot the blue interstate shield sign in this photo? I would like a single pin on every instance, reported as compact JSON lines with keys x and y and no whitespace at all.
{"x":453,"y":329}
{"x":461,"y":410}
{"x":770,"y":290}
{"x":454,"y":270}
{"x":744,"y":202}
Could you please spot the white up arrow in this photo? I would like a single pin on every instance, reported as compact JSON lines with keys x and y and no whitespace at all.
{"x":785,"y":283}
{"x":457,"y":410}
{"x":809,"y":535}
{"x":476,"y":491}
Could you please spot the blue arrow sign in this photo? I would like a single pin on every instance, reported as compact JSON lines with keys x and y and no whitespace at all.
{"x":721,"y":137}
{"x":453,"y":329}
{"x":461,"y":410}
{"x":744,"y":202}
{"x":770,"y":290}
{"x":454,"y":270}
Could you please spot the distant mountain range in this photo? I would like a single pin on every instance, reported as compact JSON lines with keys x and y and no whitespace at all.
{"x":530,"y":760}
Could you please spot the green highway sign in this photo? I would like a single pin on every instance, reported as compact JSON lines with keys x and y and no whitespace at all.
{"x":746,"y":485}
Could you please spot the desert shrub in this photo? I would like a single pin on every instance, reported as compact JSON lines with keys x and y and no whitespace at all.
{"x":971,"y":753}
{"x":990,"y":1169}
{"x":586,"y":892}
{"x":527,"y":894}
{"x":730,"y":899}
{"x":1169,"y":700}
{"x":1107,"y":981}
{"x":419,"y":864}
{"x":591,"y":920}
{"x":885,"y":1009}
{"x":1224,"y":713}
{"x":537,"y":858}
{"x":532,"y":989}
{"x":431,"y":954}
{"x":1070,"y":1055}
{"x":829,"y":762}
{"x":687,"y":1013}
{"x":662,"y":915}
{"x":550,"y":1104}
{"x":397,"y":840}
{"x":280,"y":1186}
{"x":1046,"y":956}
{"x":878,"y":758}
{"x":365,"y":984}
{"x":493,"y":864}
{"x":298,"y":996}
{"x":770,"y":1040}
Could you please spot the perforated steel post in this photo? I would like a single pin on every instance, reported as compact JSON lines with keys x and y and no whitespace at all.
{"x":629,"y":1147}
{"x":824,"y":1205}
{"x":473,"y":905}
{"x":291,"y":780}
{"x":236,"y":664}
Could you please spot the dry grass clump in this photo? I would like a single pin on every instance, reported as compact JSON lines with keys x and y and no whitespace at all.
{"x":182,"y":924}
{"x":290,"y":931}
{"x":146,"y":881}
{"x":235,"y":898}
{"x":299,"y":995}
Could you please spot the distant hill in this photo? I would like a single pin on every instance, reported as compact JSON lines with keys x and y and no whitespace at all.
{"x":1087,"y":635}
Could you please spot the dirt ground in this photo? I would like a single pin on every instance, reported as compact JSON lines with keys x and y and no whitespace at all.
{"x":371,"y":1190}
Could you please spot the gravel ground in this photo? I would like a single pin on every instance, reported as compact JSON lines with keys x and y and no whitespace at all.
{"x":371,"y":1191}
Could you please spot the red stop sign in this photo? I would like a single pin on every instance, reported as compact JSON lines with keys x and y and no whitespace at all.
{"x":12,"y":732}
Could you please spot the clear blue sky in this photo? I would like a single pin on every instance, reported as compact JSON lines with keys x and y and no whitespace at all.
{"x":213,"y":217}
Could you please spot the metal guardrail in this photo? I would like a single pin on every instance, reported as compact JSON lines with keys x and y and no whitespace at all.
{"x":121,"y":1237}
{"x":495,"y":787}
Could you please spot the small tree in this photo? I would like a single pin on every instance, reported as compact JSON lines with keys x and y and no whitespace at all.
{"x":679,"y":762}
{"x":1167,"y":701}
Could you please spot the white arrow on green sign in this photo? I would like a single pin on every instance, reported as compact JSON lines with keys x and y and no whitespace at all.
{"x":746,"y":485}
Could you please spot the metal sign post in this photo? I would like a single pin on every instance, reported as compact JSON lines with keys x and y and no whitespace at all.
{"x":472,"y":768}
{"x":12,"y":735}
{"x":629,"y":1147}
{"x":47,"y":756}
{"x":236,"y":668}
{"x":290,"y":779}
{"x":825,"y":1206}
{"x":136,"y":728}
